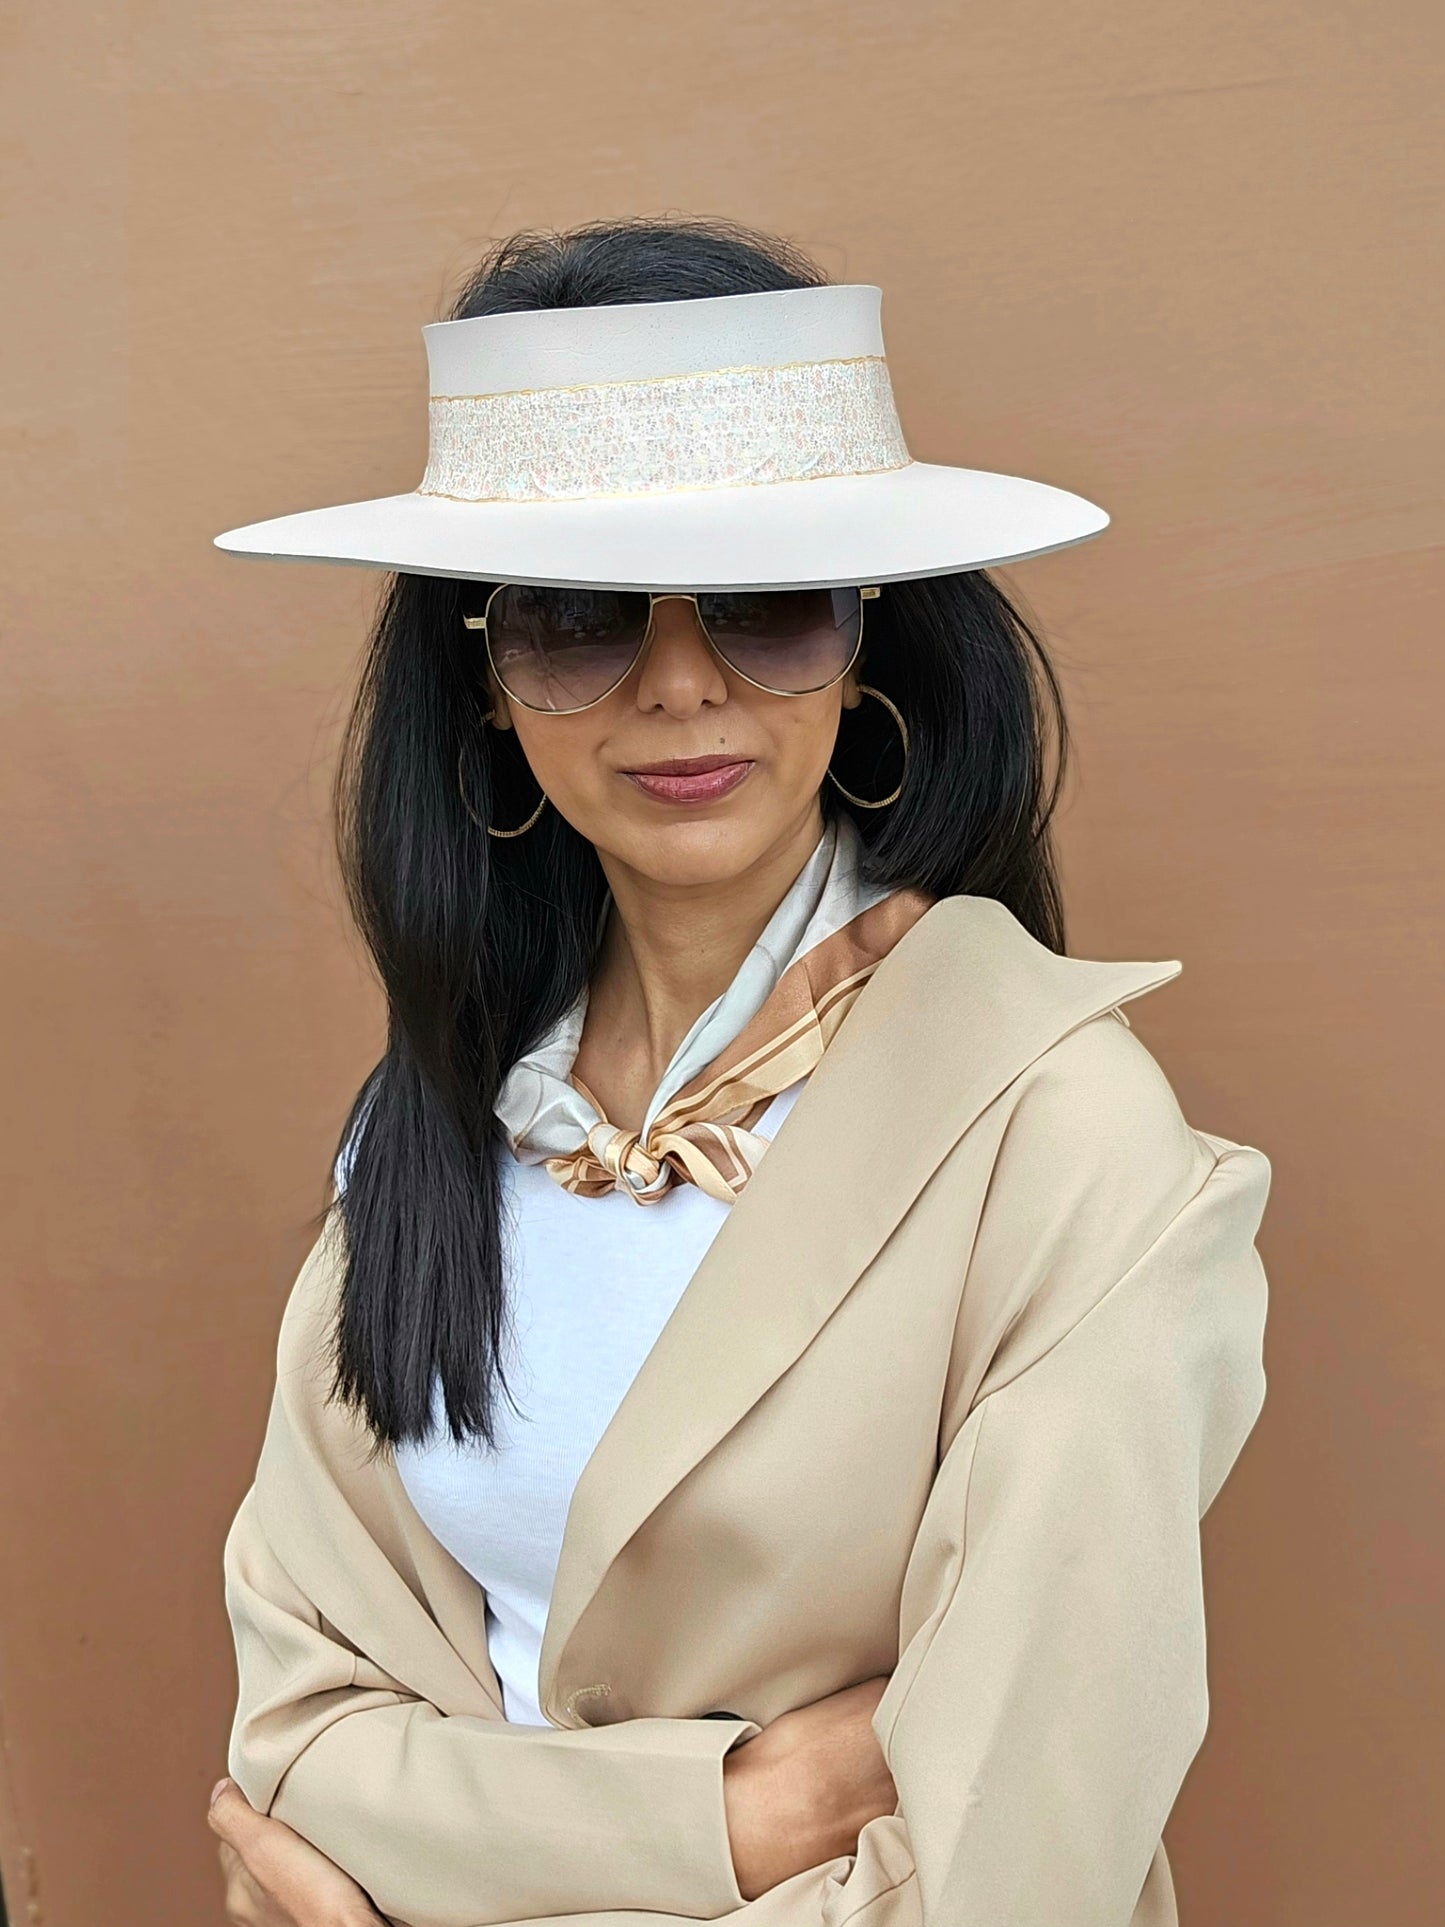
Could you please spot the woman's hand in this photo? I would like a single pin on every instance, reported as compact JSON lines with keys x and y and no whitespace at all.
{"x":803,"y":1789}
{"x":798,"y":1793}
{"x":274,"y":1878}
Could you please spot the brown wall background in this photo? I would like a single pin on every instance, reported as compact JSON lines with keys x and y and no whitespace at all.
{"x":1184,"y":259}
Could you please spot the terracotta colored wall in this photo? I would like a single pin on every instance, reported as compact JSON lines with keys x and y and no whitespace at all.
{"x":1183,"y":258}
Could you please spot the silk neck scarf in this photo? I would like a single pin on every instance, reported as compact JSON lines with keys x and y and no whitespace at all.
{"x":768,"y":1029}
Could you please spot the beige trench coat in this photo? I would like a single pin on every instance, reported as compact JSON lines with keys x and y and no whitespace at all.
{"x":946,"y":1399}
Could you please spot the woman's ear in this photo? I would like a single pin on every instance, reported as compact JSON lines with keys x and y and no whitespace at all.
{"x":501,"y":708}
{"x":852,"y":695}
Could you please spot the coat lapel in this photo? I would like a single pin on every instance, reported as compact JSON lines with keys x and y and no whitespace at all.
{"x":960,"y":1006}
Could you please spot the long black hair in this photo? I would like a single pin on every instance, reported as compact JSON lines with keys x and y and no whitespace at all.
{"x":482,"y":944}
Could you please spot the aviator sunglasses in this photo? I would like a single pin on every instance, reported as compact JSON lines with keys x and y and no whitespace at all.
{"x":561,"y":650}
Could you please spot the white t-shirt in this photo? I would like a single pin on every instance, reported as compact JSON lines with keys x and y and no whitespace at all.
{"x":590,"y":1284}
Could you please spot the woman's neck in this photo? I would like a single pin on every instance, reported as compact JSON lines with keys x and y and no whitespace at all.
{"x":668,"y":952}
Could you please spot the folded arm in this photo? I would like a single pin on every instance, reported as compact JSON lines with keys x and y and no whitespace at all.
{"x":494,"y":1822}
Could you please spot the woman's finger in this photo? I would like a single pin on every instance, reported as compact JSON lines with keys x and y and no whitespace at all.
{"x":275,"y":1878}
{"x":244,"y":1903}
{"x":229,"y":1814}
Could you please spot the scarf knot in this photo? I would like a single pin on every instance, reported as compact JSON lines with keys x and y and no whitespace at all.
{"x":764,"y":1034}
{"x":717,"y":1157}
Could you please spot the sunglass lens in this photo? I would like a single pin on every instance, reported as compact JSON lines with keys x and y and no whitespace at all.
{"x":788,"y":640}
{"x":561,"y":649}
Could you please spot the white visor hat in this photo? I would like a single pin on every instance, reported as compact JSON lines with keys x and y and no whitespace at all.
{"x":742,"y":441}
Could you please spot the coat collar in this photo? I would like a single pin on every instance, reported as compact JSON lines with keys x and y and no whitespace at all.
{"x":960,"y":1007}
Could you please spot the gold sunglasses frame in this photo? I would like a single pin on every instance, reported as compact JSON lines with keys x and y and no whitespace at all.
{"x":865,"y":594}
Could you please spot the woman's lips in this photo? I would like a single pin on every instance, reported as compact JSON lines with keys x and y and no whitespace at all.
{"x":692,"y":786}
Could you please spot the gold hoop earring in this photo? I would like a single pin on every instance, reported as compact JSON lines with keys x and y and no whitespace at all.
{"x":865,"y":690}
{"x":466,"y":800}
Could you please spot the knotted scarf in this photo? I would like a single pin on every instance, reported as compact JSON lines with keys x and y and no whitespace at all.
{"x":765,"y":1032}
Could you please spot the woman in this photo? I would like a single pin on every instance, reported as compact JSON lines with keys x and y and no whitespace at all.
{"x":821,"y":1539}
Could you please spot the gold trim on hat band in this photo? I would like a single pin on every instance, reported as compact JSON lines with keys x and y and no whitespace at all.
{"x":721,"y":428}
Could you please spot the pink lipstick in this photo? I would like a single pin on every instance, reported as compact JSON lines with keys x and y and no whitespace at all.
{"x":690,"y":779}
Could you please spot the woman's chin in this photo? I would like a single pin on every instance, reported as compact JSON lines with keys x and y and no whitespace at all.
{"x":691,"y":846}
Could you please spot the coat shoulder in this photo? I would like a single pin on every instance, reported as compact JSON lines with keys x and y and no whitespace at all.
{"x":970,"y":1007}
{"x":1091,"y":1161}
{"x":1086,"y":1151}
{"x":1099,"y":1093}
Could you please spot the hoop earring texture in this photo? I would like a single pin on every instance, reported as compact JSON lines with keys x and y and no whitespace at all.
{"x":865,"y":689}
{"x":467,"y":803}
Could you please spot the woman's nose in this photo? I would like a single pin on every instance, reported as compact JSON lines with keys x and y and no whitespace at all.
{"x":679,"y":668}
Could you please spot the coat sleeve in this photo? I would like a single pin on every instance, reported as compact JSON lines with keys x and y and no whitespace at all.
{"x":1051,"y":1689}
{"x":446,"y":1819}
